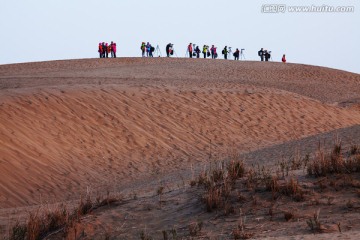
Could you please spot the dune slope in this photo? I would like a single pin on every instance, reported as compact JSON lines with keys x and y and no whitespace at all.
{"x":69,"y":125}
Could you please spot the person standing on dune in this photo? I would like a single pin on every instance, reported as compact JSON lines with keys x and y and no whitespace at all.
{"x":100,"y":50}
{"x":113,"y":50}
{"x":190,"y":50}
{"x":225,"y":52}
{"x":197,"y":50}
{"x":103,"y":49}
{"x":169,"y":50}
{"x":236,"y":54}
{"x":147,"y":48}
{"x":283,"y":59}
{"x":213,"y":52}
{"x":143,"y":49}
{"x":205,"y":49}
{"x":261,"y":54}
{"x":106,"y":50}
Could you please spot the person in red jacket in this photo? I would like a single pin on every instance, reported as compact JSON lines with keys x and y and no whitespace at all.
{"x":283,"y":59}
{"x":190,"y":50}
{"x":113,"y":50}
{"x":100,"y":50}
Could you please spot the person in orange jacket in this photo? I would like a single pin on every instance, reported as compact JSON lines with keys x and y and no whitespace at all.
{"x":283,"y":59}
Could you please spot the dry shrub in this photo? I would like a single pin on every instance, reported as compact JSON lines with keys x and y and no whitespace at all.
{"x":219,"y":184}
{"x":293,"y":189}
{"x":213,"y":199}
{"x":354,"y":149}
{"x":217,"y":175}
{"x":290,"y":188}
{"x":195,"y":228}
{"x":333,"y":162}
{"x":236,"y":170}
{"x":272,"y":185}
{"x":39,"y":225}
{"x":314,"y":223}
{"x":84,"y":207}
{"x":240,"y":233}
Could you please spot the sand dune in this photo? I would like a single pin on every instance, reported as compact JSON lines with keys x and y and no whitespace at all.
{"x":69,"y":125}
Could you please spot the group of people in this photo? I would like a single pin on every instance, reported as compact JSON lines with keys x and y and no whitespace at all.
{"x":147,"y":49}
{"x":105,"y":49}
{"x":192,"y":51}
{"x":265,"y":54}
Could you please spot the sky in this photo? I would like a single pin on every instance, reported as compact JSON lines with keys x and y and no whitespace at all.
{"x":41,"y":30}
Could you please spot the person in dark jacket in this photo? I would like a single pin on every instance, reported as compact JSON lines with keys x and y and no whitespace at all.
{"x":236,"y":54}
{"x":267,"y":55}
{"x":168,"y":49}
{"x":261,"y":54}
{"x":104,"y":49}
{"x":197,"y":50}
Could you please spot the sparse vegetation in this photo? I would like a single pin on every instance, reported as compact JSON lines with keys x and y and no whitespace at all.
{"x":229,"y":187}
{"x":39,"y":225}
{"x":334,"y":162}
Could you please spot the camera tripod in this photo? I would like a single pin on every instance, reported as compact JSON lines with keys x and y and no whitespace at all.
{"x":174,"y":52}
{"x":230,"y":52}
{"x":158,"y":51}
{"x":187,"y":54}
{"x":242,"y":55}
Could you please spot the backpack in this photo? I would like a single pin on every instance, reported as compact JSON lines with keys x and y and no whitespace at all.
{"x":259,"y":53}
{"x":223,"y":51}
{"x":152,"y":49}
{"x":208,"y":54}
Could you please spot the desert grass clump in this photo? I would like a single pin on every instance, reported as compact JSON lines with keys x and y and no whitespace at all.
{"x":314,"y":222}
{"x":240,"y":233}
{"x":354,"y":149}
{"x":218,"y":184}
{"x":272,"y":184}
{"x":195,"y":228}
{"x":293,"y":189}
{"x":236,"y":170}
{"x":18,"y":231}
{"x":39,"y":225}
{"x":84,"y":207}
{"x":213,"y":199}
{"x":324,"y":164}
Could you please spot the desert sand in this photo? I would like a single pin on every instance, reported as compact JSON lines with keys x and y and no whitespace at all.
{"x":99,"y":125}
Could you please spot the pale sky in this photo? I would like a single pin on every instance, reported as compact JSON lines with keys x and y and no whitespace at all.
{"x":41,"y":30}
